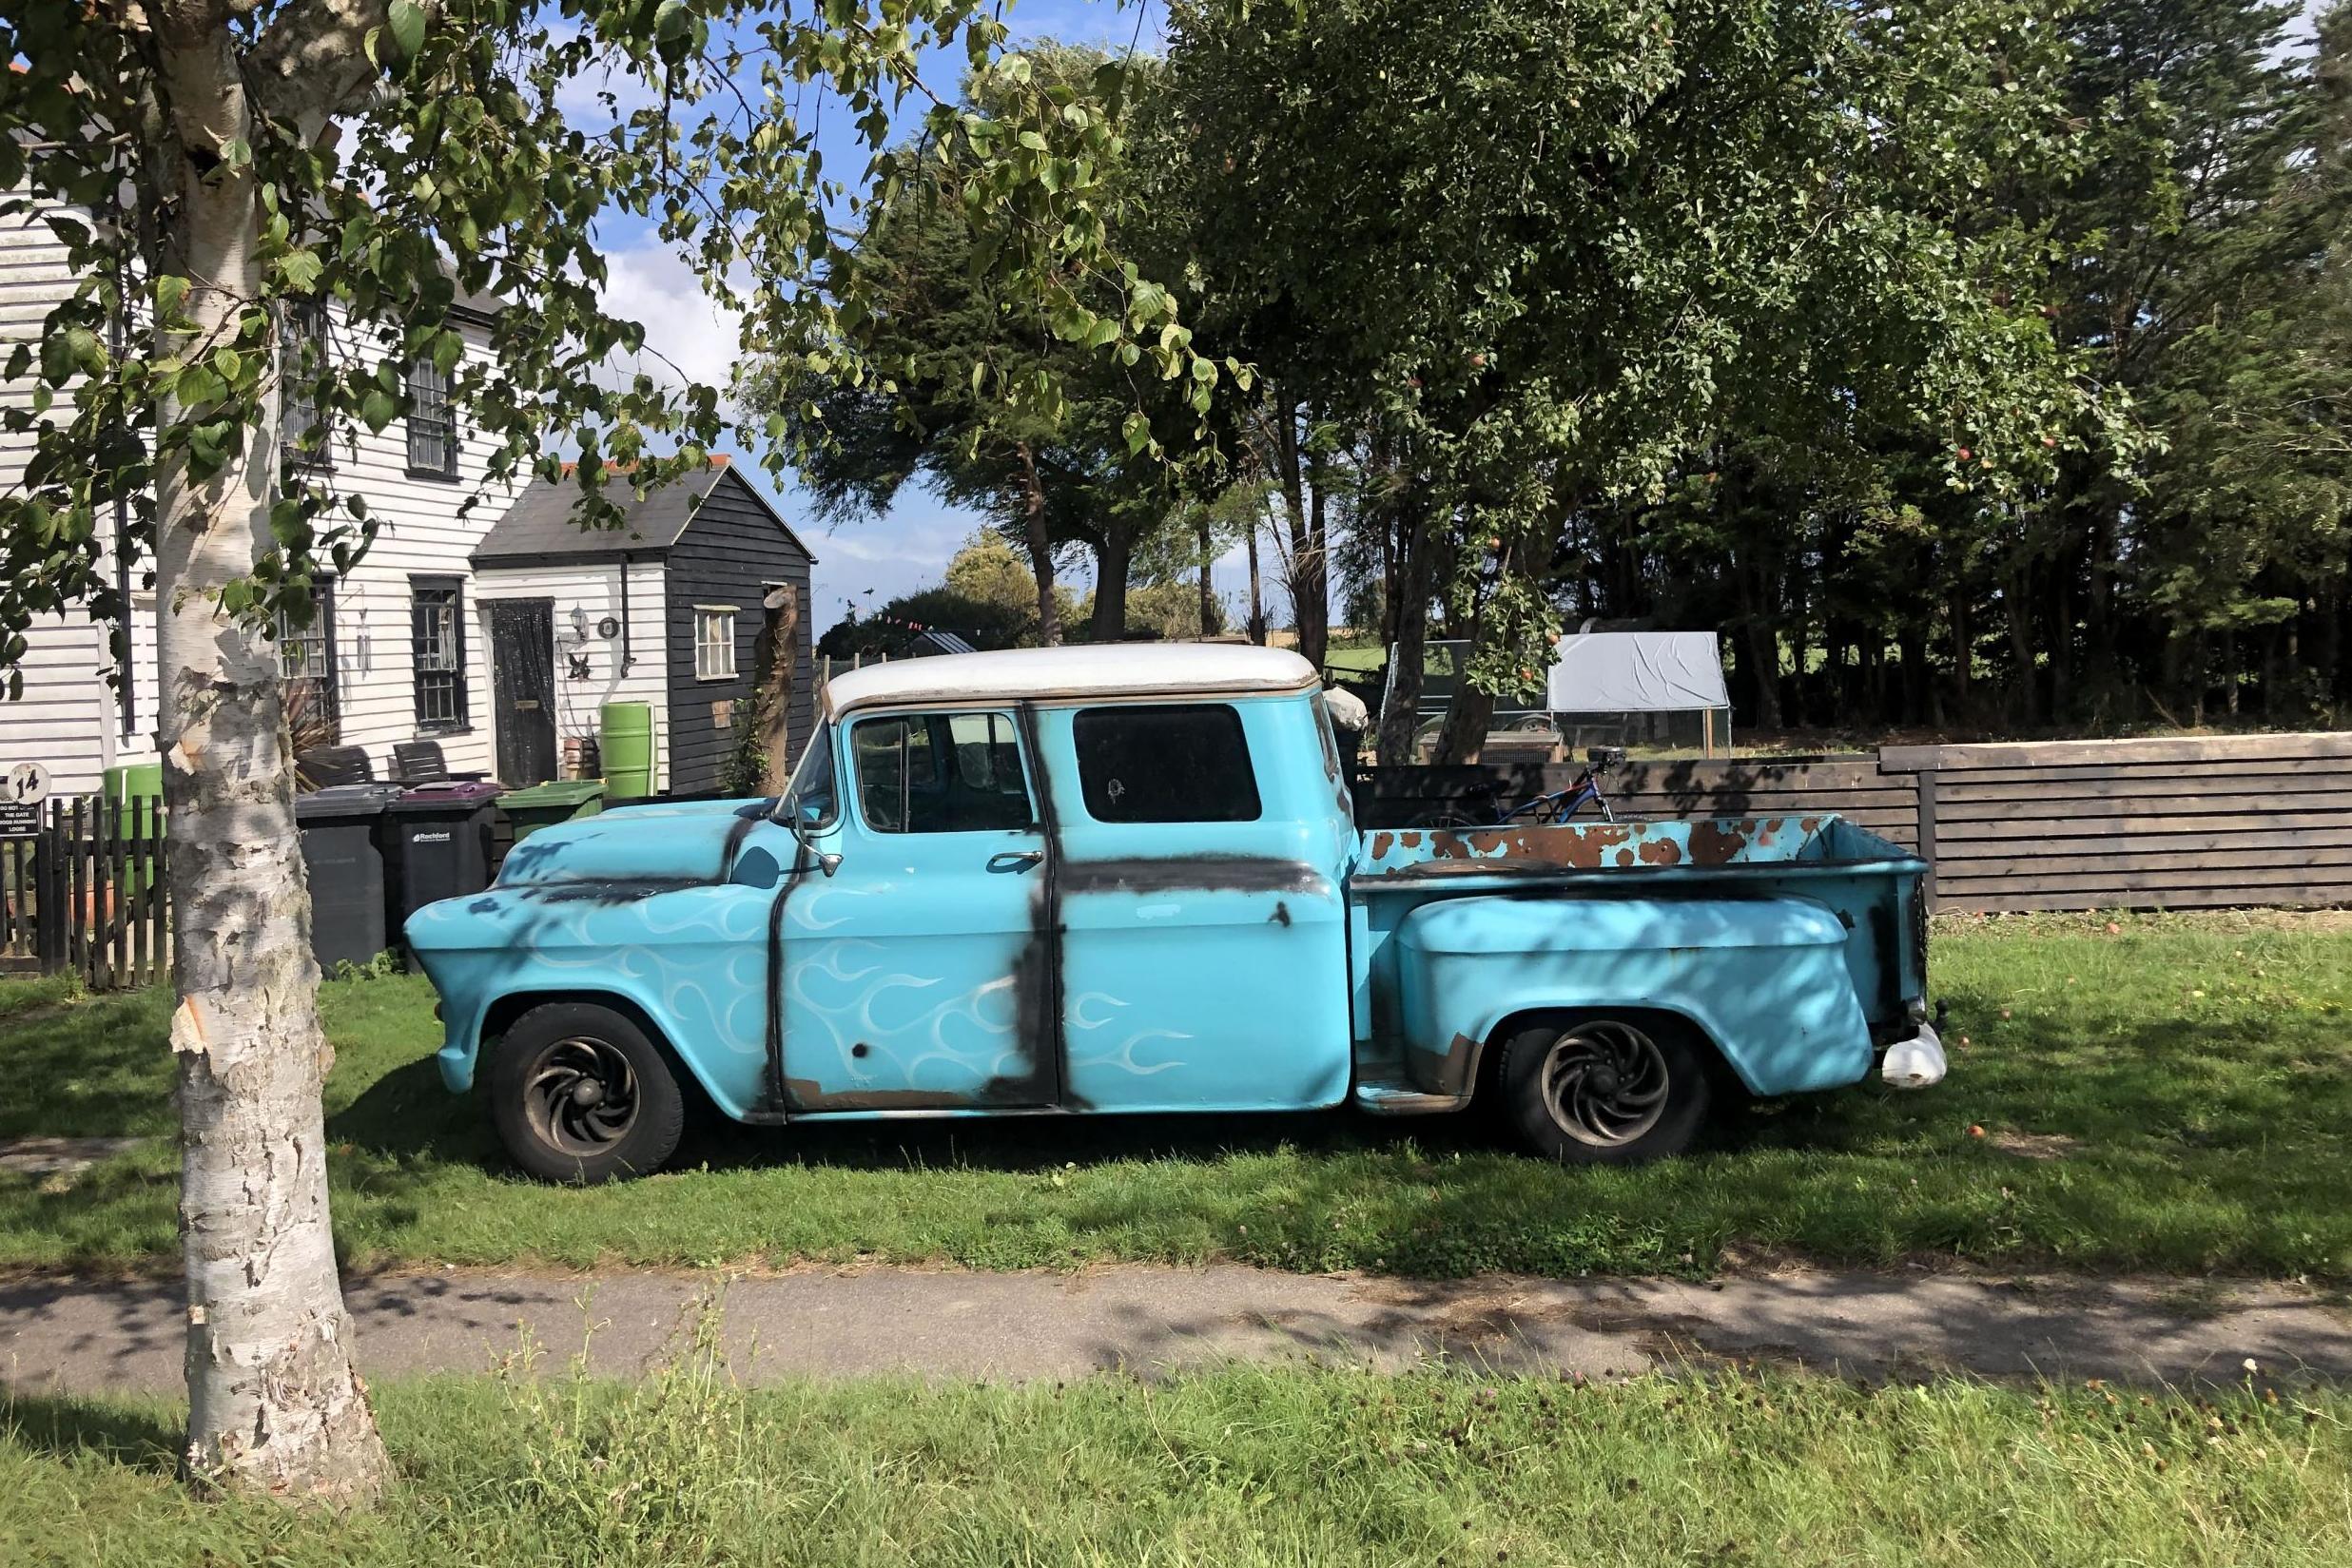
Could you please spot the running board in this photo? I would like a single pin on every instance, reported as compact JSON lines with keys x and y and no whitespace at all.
{"x":1398,"y":1099}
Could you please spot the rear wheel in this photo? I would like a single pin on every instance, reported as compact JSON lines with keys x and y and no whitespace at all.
{"x":579,"y":1094}
{"x":1607,"y":1089}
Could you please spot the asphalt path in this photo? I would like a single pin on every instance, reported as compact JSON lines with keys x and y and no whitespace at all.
{"x":76,"y":1335}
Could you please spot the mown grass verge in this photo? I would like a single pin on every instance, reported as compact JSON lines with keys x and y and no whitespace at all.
{"x":1240,"y":1466}
{"x":2152,"y":1093}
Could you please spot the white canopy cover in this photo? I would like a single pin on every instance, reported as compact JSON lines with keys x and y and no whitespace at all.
{"x":1637,"y":672}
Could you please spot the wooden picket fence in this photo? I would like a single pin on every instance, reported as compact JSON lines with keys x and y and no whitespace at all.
{"x":85,"y":894}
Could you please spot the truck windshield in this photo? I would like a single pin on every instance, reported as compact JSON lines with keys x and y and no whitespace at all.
{"x":809,"y":799}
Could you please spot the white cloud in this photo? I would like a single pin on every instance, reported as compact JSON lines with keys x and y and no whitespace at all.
{"x":582,"y":97}
{"x":648,"y":284}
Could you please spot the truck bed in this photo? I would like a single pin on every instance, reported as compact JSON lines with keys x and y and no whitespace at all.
{"x":1876,"y":890}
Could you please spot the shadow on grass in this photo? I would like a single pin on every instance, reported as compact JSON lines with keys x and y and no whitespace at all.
{"x":91,"y":1067}
{"x":73,"y":1428}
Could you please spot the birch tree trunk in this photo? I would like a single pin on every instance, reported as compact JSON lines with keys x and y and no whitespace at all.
{"x":274,"y":1402}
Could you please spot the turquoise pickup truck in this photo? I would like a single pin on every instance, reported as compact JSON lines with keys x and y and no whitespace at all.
{"x":1069,"y":881}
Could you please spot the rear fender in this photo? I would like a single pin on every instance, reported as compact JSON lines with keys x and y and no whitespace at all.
{"x":1764,"y":979}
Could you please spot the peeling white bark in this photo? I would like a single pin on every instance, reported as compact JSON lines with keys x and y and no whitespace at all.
{"x":274,"y":1404}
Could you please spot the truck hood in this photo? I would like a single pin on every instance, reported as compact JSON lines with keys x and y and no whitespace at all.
{"x":682,"y":844}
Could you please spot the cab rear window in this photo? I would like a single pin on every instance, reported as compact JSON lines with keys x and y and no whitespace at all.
{"x":1164,"y":763}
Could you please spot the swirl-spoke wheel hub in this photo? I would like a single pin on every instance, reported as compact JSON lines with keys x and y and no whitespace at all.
{"x":1605,"y":1083}
{"x":583,"y":1095}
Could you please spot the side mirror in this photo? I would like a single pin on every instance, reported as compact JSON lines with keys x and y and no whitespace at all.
{"x":827,"y":862}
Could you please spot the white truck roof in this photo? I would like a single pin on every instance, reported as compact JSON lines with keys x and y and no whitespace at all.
{"x":1043,"y":674}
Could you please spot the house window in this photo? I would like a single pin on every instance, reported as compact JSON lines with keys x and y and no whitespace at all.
{"x":714,"y":642}
{"x":1187,"y":764}
{"x":306,"y":669}
{"x":436,"y":621}
{"x":302,"y":360}
{"x":432,"y":423}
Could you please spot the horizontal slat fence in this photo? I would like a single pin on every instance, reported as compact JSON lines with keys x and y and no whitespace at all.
{"x":2185,"y":823}
{"x":2194,"y":823}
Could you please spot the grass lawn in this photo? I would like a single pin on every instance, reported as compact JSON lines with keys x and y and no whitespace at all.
{"x":2174,"y":1094}
{"x":1243,"y":1467}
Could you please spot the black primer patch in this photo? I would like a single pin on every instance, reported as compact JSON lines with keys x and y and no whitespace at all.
{"x":1195,"y":874}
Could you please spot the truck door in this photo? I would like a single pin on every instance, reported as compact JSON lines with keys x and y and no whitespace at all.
{"x":919,"y":975}
{"x":1204,"y":935}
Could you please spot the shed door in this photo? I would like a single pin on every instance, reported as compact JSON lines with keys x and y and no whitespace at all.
{"x":522,"y":657}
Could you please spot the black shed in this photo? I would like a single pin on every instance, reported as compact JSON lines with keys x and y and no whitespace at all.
{"x":677,"y":608}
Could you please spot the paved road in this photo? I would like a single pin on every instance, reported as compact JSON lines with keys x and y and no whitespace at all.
{"x":85,"y":1335}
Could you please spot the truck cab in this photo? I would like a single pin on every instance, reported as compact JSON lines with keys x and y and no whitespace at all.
{"x":1128,"y":878}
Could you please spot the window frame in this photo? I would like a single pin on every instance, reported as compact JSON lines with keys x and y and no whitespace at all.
{"x":328,"y":678}
{"x":817,"y":754}
{"x":850,"y":778}
{"x":735,"y":616}
{"x":1081,"y":719}
{"x":422,"y":592}
{"x":429,"y":407}
{"x":303,"y":323}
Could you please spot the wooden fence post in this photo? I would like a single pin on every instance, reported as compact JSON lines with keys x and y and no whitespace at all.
{"x":1925,"y":780}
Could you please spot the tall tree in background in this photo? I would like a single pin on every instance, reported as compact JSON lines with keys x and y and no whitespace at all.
{"x":1075,"y":456}
{"x":1542,"y":250}
{"x":209,"y":164}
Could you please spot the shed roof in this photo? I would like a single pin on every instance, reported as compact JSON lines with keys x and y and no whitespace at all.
{"x":539,"y":527}
{"x":1116,"y":669}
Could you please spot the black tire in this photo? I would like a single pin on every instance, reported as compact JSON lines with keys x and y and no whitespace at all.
{"x":580,"y":1094}
{"x":1607,"y":1088}
{"x":1450,"y":819}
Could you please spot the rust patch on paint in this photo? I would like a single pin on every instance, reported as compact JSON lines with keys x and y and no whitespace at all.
{"x":1719,"y":842}
{"x":1661,"y":851}
{"x":1381,"y":843}
{"x":808,"y":1094}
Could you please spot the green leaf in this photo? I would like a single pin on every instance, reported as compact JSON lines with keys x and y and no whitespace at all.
{"x":378,"y":409}
{"x":1137,"y":430}
{"x":407,"y":20}
{"x":301,"y":269}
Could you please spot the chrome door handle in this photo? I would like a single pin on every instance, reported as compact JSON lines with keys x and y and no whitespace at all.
{"x":1015,"y":859}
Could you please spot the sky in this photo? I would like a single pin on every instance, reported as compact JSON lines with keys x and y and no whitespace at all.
{"x":869,"y":561}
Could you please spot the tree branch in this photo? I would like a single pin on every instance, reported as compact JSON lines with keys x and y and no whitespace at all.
{"x":312,"y":63}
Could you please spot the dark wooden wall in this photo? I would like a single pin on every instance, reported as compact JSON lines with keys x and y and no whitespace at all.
{"x":731,"y":549}
{"x":2205,"y":822}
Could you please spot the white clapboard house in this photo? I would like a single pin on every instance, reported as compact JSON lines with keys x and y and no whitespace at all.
{"x":498,"y":634}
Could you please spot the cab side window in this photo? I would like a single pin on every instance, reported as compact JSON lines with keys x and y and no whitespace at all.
{"x":1164,"y":763}
{"x":941,"y":773}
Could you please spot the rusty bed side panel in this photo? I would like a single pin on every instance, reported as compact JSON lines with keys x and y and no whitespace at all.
{"x":1594,"y":846}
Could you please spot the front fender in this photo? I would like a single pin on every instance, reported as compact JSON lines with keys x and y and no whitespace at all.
{"x":1766,"y":980}
{"x":692,"y":960}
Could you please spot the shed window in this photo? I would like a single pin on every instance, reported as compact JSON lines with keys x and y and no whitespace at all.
{"x":1171,"y":763}
{"x":714,"y":642}
{"x":432,"y":423}
{"x":436,"y":621}
{"x":941,"y":773}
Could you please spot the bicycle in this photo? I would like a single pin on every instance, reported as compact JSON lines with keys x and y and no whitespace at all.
{"x":1544,"y":810}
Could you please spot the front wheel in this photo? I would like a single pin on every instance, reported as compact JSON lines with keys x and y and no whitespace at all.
{"x":1605,"y":1089}
{"x":580,"y":1094}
